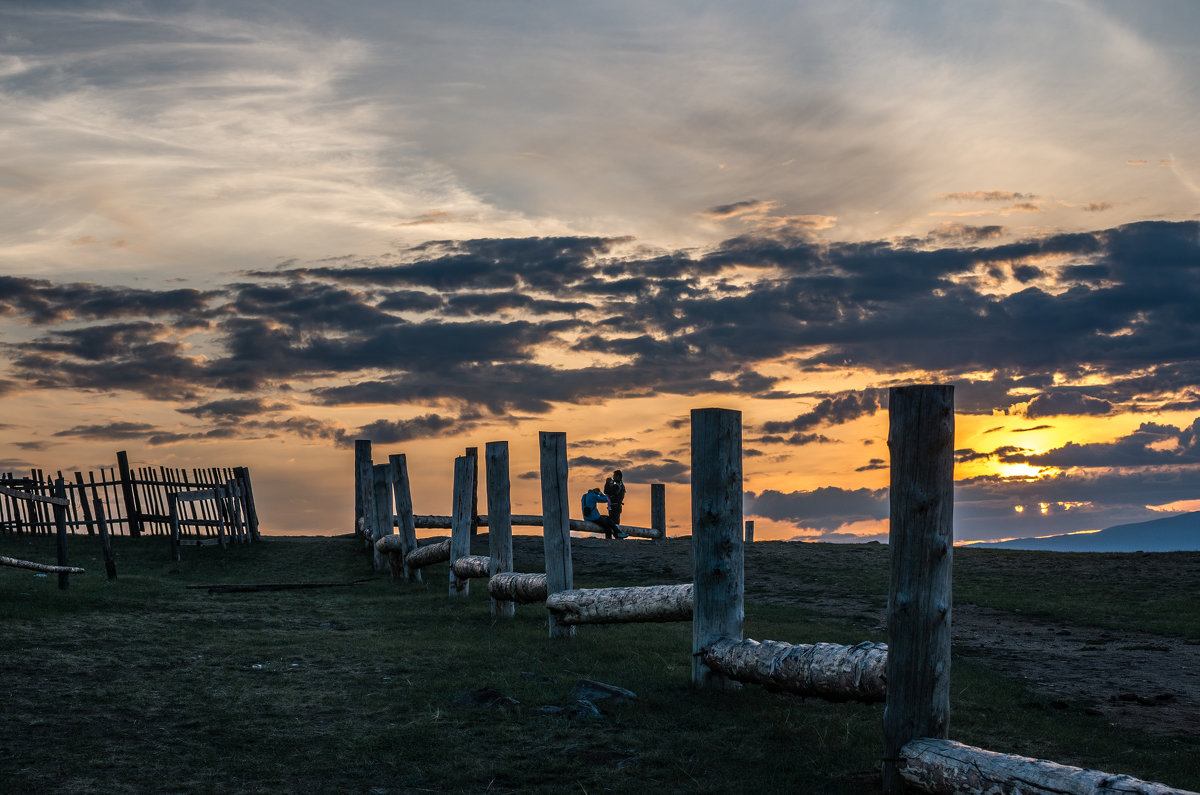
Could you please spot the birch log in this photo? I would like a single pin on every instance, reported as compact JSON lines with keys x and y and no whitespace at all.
{"x":42,"y":567}
{"x":521,"y":588}
{"x":637,"y":604}
{"x":556,"y":530}
{"x":822,"y":670}
{"x":921,"y":540}
{"x":944,"y":766}
{"x":460,"y":532}
{"x":428,"y":555}
{"x":472,"y":567}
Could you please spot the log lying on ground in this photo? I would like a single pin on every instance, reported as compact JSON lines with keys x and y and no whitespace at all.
{"x":428,"y":555}
{"x":622,"y":605}
{"x":431,"y":522}
{"x":515,"y":587}
{"x":944,"y":766}
{"x":824,"y":670}
{"x":29,"y":564}
{"x":472,"y":567}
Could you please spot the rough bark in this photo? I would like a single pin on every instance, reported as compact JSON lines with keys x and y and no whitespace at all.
{"x":472,"y":567}
{"x":402,"y":496}
{"x":500,"y":509}
{"x":428,"y":555}
{"x":28,"y":564}
{"x":556,"y":531}
{"x":822,"y":670}
{"x":460,"y":532}
{"x":515,"y":587}
{"x":392,"y":548}
{"x":944,"y":766}
{"x":622,"y":605}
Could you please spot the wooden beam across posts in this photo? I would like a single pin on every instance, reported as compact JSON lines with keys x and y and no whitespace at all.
{"x":717,"y":548}
{"x":472,"y":567}
{"x":381,"y":490}
{"x":129,"y":494}
{"x":658,"y":509}
{"x":921,"y":542}
{"x":499,"y":505}
{"x":427,"y":555}
{"x":110,"y":564}
{"x":405,"y":528}
{"x":362,"y":488}
{"x":628,"y":605}
{"x":821,"y":670}
{"x":60,"y":527}
{"x":944,"y":767}
{"x":556,"y":523}
{"x":460,"y":533}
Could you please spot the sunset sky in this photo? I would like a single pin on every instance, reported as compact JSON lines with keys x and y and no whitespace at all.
{"x":246,"y":234}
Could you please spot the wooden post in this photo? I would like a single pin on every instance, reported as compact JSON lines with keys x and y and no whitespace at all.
{"x":222,"y":516}
{"x":921,"y":541}
{"x":60,"y":526}
{"x":132,"y":511}
{"x":173,"y":512}
{"x":243,"y":476}
{"x":658,"y":508}
{"x":381,"y":492}
{"x":402,"y":496}
{"x":717,"y":551}
{"x":473,"y":454}
{"x":83,"y":503}
{"x":499,"y":515}
{"x":556,"y":521}
{"x":362,"y":487}
{"x":110,"y":565}
{"x":460,"y":531}
{"x":750,"y":531}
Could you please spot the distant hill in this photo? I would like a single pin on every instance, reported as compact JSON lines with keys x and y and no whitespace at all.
{"x":1172,"y":534}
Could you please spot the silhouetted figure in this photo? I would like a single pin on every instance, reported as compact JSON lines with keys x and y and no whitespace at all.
{"x":614,"y":489}
{"x":592,"y":514}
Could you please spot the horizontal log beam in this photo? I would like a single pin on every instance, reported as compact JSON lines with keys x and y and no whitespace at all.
{"x":24,"y":495}
{"x":944,"y":766}
{"x":638,"y":604}
{"x":472,"y":567}
{"x":822,"y":670}
{"x":512,"y":586}
{"x":428,"y":555}
{"x":29,"y":564}
{"x":432,"y":522}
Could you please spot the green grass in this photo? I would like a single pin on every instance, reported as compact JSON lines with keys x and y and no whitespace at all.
{"x":142,"y":685}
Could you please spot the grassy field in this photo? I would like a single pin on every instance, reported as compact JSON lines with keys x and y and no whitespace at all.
{"x":142,"y":685}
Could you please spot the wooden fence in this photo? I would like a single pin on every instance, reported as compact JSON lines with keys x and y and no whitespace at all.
{"x":134,"y":501}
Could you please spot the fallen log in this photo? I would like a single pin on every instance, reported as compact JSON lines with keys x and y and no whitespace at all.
{"x":431,"y":522}
{"x":515,"y":587}
{"x":273,"y":586}
{"x":472,"y":567}
{"x":635,"y":604}
{"x":944,"y":766}
{"x":29,"y":564}
{"x":824,"y":670}
{"x":428,"y":555}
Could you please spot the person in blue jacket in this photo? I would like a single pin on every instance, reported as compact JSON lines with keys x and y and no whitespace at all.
{"x":592,"y":514}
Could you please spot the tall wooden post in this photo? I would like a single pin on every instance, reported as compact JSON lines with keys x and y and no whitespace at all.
{"x":110,"y":565}
{"x":243,"y":476}
{"x":382,"y":510}
{"x":499,"y":511}
{"x":717,"y":551}
{"x":658,"y":508}
{"x":921,"y":542}
{"x":83,"y":502}
{"x":473,"y":454}
{"x":556,"y":521}
{"x":173,"y":513}
{"x":132,"y":511}
{"x":60,"y":526}
{"x":405,"y":524}
{"x":460,"y":525}
{"x":750,"y":531}
{"x":362,"y":487}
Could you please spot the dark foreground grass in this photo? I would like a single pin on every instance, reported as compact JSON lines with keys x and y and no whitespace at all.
{"x":144,"y":686}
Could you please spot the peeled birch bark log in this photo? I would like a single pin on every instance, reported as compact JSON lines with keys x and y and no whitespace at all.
{"x":515,"y":587}
{"x":472,"y":567}
{"x":944,"y":766}
{"x":622,"y":605}
{"x":428,"y":555}
{"x":824,"y":670}
{"x":28,"y":564}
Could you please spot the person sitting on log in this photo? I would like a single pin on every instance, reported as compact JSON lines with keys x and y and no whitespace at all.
{"x":614,"y":489}
{"x":593,"y":515}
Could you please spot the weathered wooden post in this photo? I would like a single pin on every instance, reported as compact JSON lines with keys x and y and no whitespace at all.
{"x":460,"y":528}
{"x":173,"y":513}
{"x":473,"y":454}
{"x":110,"y":565}
{"x":658,"y":508}
{"x":750,"y":531}
{"x":362,"y":487}
{"x":499,"y":514}
{"x":921,"y":540}
{"x":60,"y":526}
{"x":402,"y":493}
{"x":556,"y":521}
{"x":717,"y":551}
{"x":129,"y":494}
{"x":381,"y":490}
{"x":243,"y":476}
{"x":83,"y":503}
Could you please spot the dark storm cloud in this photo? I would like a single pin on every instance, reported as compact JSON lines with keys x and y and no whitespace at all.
{"x":1067,"y":402}
{"x":834,"y":410}
{"x":825,"y":508}
{"x":42,"y":302}
{"x":110,"y":431}
{"x":1150,"y":445}
{"x":233,"y":409}
{"x":423,"y":427}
